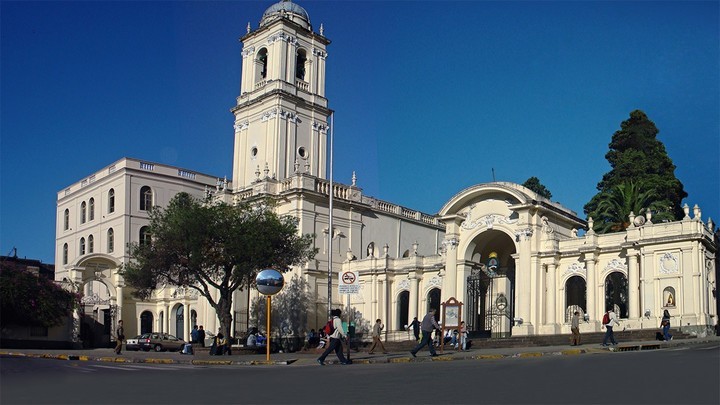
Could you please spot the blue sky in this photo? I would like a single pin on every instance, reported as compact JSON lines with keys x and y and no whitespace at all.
{"x":429,"y":96}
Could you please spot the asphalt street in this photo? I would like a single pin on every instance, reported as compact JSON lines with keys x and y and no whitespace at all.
{"x":687,"y":374}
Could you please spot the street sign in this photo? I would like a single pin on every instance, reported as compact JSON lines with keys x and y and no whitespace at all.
{"x":348,"y":282}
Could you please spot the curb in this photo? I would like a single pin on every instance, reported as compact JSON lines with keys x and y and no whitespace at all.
{"x":393,"y":359}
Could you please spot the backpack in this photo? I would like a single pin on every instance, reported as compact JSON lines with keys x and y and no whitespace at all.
{"x":606,"y":318}
{"x":329,"y":328}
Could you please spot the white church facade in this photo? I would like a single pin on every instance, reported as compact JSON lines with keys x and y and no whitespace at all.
{"x":518,"y":262}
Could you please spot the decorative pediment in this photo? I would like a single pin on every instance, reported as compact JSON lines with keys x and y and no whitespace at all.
{"x":487,"y":221}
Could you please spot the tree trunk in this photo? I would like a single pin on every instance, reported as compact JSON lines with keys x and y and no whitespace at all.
{"x":224,"y":314}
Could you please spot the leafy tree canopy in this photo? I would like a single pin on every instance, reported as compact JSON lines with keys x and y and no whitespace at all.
{"x":214,"y":247}
{"x":613,"y":212}
{"x":533,"y":183}
{"x":30,"y":300}
{"x":637,"y":156}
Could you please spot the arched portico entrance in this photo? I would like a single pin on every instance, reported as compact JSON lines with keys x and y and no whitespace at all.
{"x":146,"y":322}
{"x":98,"y":311}
{"x":491,"y":284}
{"x":179,"y":316}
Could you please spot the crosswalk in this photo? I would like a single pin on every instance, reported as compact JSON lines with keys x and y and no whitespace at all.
{"x":125,"y":367}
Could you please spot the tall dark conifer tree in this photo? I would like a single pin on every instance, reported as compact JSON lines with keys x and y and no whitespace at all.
{"x":636,"y":155}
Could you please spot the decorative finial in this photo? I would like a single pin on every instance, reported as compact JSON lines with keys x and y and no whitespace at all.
{"x":322,"y":29}
{"x":297,"y":166}
{"x":248,"y":27}
{"x":266,"y":170}
{"x":354,"y":179}
{"x":257,"y":172}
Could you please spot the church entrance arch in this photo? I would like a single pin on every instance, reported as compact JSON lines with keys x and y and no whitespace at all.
{"x":433,"y":302}
{"x":616,"y":293}
{"x":98,"y":309}
{"x":146,"y":322}
{"x":491,"y":284}
{"x":403,"y":307}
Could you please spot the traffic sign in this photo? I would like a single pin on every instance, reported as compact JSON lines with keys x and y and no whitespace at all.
{"x":348,"y":282}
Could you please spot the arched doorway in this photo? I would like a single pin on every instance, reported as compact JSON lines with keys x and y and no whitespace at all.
{"x":433,"y":302}
{"x":193,"y":318}
{"x":403,"y":308}
{"x":146,"y":322}
{"x":575,"y":296}
{"x":161,"y":321}
{"x":616,"y":293}
{"x":180,"y":321}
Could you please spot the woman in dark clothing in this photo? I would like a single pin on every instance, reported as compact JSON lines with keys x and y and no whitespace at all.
{"x":665,"y":323}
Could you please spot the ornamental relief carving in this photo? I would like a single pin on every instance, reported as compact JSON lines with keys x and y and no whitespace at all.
{"x":486,"y":220}
{"x":669,"y":263}
{"x":269,"y":114}
{"x":248,"y":51}
{"x":241,"y":126}
{"x":616,"y":265}
{"x":435,"y":282}
{"x":575,"y":268}
{"x":403,"y":285}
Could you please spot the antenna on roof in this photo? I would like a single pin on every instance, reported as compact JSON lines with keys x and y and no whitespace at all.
{"x":493,"y":173}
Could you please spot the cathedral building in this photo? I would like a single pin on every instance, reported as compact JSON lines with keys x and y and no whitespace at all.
{"x":519,"y":263}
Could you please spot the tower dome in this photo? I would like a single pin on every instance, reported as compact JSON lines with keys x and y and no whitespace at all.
{"x":287,"y":9}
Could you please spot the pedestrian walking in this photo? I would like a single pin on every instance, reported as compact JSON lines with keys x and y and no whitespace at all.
{"x":665,"y":324}
{"x":120,"y":334}
{"x":377,"y":328}
{"x":428,"y":325}
{"x":336,"y":336}
{"x":575,"y":328}
{"x":415,"y":325}
{"x":609,"y":320}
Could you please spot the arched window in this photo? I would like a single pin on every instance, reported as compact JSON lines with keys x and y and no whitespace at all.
{"x":261,"y":64}
{"x":91,"y":209}
{"x":403,"y":309}
{"x":65,"y":254}
{"x":110,"y":240}
{"x":91,"y":244}
{"x":145,"y":198}
{"x":111,"y":201}
{"x":616,"y":293}
{"x":145,"y":238}
{"x":300,"y":60}
{"x":82,"y":246}
{"x":66,"y":219}
{"x":575,"y":294}
{"x":83,"y":212}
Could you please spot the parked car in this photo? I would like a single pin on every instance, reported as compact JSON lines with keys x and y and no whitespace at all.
{"x":132,"y":344}
{"x":155,"y":341}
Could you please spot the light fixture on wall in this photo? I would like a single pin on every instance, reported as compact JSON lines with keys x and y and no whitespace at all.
{"x":647,"y":314}
{"x":518,"y":321}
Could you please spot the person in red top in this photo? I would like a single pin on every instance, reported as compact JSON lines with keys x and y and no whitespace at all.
{"x":335,"y":340}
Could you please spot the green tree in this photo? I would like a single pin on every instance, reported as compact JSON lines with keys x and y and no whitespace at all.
{"x":30,"y":300}
{"x":637,"y":155}
{"x":533,"y":183}
{"x":613,"y":212}
{"x":214,"y":247}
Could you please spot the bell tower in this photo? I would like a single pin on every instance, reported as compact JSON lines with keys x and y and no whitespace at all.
{"x":281,"y":116}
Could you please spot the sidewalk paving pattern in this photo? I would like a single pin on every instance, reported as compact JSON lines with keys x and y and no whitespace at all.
{"x":309,"y":356}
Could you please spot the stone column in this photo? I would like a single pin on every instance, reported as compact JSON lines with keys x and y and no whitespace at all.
{"x":633,"y":285}
{"x":552,"y":291}
{"x":413,"y":295}
{"x":593,"y":310}
{"x":186,"y":322}
{"x":449,"y":282}
{"x":166,"y":327}
{"x":373,"y":297}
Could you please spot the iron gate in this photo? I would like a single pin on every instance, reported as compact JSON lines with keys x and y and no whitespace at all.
{"x":485,"y":318}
